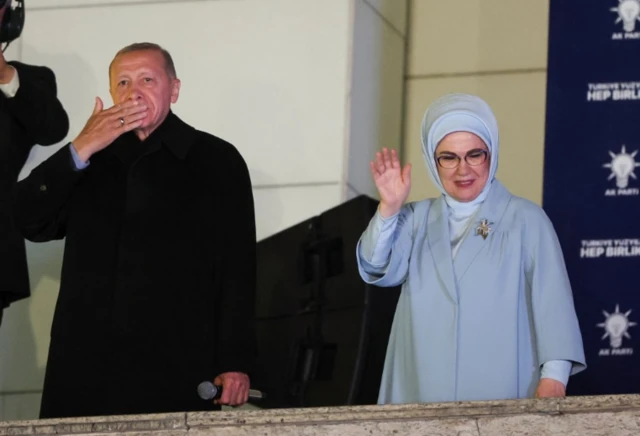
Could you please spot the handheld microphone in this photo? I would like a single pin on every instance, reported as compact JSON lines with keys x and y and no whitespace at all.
{"x":209,"y":391}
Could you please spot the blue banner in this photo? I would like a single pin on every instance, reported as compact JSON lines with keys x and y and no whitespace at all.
{"x":591,"y":180}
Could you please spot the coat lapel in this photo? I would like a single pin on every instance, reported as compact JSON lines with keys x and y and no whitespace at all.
{"x":490,"y":212}
{"x":440,"y":245}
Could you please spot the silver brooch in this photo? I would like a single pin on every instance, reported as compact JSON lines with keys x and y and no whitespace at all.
{"x":484,"y":228}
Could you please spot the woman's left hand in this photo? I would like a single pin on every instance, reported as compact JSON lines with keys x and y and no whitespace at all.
{"x":550,"y":388}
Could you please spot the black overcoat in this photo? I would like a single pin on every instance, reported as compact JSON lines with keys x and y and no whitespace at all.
{"x":33,"y":116}
{"x":158,"y":280}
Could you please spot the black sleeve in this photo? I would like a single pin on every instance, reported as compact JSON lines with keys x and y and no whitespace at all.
{"x":36,"y":106}
{"x":236,"y":327}
{"x":39,"y":200}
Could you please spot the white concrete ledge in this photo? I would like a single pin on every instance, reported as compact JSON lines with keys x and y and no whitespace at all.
{"x":601,"y":415}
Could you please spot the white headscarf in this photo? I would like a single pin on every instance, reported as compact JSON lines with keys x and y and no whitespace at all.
{"x":459,"y":113}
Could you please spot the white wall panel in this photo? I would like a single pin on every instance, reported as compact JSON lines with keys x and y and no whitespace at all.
{"x":376,"y":99}
{"x":21,"y":406}
{"x":393,"y":11}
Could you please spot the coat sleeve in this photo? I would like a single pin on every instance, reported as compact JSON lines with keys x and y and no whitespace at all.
{"x":36,"y":106}
{"x":40,"y":200}
{"x":236,"y":313}
{"x":555,"y":321}
{"x":393,"y":270}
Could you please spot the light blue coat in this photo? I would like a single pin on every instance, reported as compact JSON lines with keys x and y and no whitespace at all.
{"x":479,"y":327}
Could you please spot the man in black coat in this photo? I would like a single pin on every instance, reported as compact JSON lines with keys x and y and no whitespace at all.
{"x":158,"y":280}
{"x":30,"y":113}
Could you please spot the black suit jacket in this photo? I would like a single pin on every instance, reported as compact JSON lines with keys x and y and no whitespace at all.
{"x":33,"y":116}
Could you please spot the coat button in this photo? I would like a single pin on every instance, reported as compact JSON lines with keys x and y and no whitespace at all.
{"x":43,"y":188}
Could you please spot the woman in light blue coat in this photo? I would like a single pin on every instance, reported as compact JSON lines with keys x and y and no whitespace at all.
{"x":486,"y":309}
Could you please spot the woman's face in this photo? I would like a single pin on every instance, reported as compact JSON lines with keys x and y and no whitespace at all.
{"x":462,"y":159}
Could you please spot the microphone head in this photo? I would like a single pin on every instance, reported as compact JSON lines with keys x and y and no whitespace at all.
{"x":207,"y":390}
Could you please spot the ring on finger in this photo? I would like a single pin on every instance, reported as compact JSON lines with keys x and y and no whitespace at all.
{"x":121,"y":122}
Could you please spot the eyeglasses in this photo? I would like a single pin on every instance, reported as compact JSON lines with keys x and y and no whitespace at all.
{"x":451,"y":160}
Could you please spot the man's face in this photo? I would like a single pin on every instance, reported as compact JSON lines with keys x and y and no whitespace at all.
{"x":142,"y":76}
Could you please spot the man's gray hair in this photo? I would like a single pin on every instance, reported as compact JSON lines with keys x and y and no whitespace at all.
{"x":144,"y":46}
